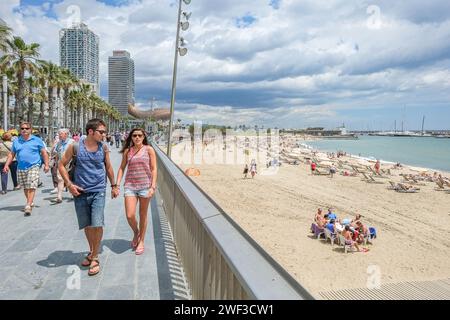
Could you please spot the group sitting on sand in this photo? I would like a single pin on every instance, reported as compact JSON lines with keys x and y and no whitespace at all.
{"x":353,"y":230}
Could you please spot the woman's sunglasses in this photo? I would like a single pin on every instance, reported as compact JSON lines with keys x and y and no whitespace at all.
{"x":138,"y":135}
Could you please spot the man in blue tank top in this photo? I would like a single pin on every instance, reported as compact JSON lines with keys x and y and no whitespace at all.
{"x":89,"y":186}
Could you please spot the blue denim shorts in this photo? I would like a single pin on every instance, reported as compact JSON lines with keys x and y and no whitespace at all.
{"x":142,"y":193}
{"x":90,"y":208}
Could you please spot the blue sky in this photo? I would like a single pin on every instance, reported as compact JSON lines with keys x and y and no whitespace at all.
{"x":286,"y":63}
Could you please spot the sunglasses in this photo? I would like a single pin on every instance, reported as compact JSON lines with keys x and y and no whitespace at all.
{"x":138,"y":135}
{"x":101,"y":131}
{"x":25,"y":128}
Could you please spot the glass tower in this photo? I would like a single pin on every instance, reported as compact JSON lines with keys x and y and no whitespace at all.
{"x":79,"y":52}
{"x":120,"y":80}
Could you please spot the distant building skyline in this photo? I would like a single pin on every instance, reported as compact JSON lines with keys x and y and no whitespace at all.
{"x":79,"y":52}
{"x":121,"y":89}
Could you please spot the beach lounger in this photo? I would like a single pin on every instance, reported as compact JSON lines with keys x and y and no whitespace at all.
{"x":370,"y":179}
{"x":405,"y":189}
{"x":441,"y":186}
{"x":320,"y":173}
{"x":414,"y":181}
{"x":393,"y":186}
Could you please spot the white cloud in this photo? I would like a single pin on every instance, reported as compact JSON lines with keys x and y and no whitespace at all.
{"x":306,"y":60}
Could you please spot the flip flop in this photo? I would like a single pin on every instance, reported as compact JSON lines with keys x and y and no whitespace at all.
{"x":93,"y":273}
{"x":88,"y":263}
{"x":134,"y":244}
{"x":139,"y":251}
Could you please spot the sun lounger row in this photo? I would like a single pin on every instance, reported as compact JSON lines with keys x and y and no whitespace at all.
{"x":403,"y":188}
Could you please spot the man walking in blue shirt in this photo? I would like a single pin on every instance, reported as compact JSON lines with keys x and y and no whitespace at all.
{"x":88,"y":187}
{"x":28,"y":150}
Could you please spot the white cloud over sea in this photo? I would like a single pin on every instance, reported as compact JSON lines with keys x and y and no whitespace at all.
{"x":286,"y":63}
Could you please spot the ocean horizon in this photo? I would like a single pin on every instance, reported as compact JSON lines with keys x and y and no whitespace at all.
{"x":426,"y":152}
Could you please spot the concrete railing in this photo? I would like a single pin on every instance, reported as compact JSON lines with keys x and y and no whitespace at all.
{"x":219,"y":259}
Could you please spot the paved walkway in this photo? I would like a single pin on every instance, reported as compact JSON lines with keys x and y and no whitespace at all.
{"x":40,"y":254}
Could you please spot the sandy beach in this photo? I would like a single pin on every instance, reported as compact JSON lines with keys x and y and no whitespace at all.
{"x":413,"y":242}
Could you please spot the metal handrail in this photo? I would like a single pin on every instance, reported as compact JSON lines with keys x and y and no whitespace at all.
{"x":220,"y":260}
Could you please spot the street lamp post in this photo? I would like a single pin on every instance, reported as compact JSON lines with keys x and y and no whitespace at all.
{"x":5,"y":103}
{"x":185,"y":25}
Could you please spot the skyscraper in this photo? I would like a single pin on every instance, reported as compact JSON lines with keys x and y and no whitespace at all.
{"x":79,"y":51}
{"x":120,"y":80}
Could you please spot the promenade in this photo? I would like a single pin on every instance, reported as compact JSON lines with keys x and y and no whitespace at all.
{"x":40,"y":255}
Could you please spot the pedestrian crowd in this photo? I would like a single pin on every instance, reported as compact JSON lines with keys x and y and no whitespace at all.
{"x":81,"y":164}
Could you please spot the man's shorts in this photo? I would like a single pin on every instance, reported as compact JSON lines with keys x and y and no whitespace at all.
{"x":29,"y":179}
{"x":90,"y":209}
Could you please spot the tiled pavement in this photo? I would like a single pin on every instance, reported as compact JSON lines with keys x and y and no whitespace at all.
{"x":40,"y":254}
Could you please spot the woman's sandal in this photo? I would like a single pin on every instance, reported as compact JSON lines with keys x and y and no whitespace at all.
{"x":87,"y":261}
{"x":91,"y":267}
{"x":139,"y":251}
{"x":134,"y":244}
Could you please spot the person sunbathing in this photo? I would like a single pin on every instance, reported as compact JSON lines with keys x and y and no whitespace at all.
{"x":348,"y":236}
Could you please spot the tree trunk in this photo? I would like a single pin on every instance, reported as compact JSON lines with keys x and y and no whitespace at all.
{"x":83,"y":117}
{"x":16,"y":109}
{"x":19,"y":112}
{"x":41,"y":115}
{"x":30,"y":109}
{"x":77,"y":118}
{"x":51,"y":103}
{"x":66,"y":107}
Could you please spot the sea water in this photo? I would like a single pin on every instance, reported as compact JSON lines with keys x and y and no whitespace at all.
{"x":427,"y":152}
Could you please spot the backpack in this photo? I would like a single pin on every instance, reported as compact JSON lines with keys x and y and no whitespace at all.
{"x":73,"y":163}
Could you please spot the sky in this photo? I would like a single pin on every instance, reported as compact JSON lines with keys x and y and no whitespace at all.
{"x":277,"y":63}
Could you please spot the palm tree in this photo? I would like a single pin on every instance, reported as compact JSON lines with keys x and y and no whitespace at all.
{"x":52,"y":76}
{"x":69,"y":81}
{"x":85,"y":92}
{"x":22,"y":58}
{"x":41,"y":98}
{"x":32,"y":84}
{"x":12,"y":87}
{"x":5,"y":34}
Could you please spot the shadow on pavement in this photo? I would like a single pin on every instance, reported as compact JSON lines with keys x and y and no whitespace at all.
{"x":67,"y":257}
{"x":14,"y":208}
